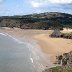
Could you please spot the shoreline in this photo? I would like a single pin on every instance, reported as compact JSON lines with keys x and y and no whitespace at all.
{"x":49,"y":46}
{"x":34,"y":48}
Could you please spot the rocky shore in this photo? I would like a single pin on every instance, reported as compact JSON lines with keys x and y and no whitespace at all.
{"x":65,"y":61}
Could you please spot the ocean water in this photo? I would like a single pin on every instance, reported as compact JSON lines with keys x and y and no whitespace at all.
{"x":18,"y":56}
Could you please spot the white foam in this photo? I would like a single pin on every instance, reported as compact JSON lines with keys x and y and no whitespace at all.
{"x":35,"y":53}
{"x":15,"y":39}
{"x":31,"y":60}
{"x":3,"y":34}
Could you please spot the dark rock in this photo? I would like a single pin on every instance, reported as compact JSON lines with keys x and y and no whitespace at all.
{"x":59,"y":58}
{"x":64,"y":59}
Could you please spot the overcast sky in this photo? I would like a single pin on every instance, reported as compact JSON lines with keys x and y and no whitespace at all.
{"x":22,"y":7}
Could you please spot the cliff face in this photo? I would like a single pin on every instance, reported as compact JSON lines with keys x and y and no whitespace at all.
{"x":38,"y":21}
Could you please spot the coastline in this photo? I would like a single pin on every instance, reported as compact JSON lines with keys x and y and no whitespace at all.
{"x":49,"y":46}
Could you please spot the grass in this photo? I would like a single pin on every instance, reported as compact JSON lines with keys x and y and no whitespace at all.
{"x":67,"y":68}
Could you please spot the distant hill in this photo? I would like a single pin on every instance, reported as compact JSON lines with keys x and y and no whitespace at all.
{"x":48,"y":20}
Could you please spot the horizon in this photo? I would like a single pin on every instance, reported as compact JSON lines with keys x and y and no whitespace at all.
{"x":26,"y":7}
{"x":35,"y":13}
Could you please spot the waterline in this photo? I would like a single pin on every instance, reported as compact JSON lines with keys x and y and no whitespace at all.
{"x":19,"y":56}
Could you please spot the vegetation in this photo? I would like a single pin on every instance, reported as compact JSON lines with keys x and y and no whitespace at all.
{"x":65,"y":61}
{"x":66,"y":35}
{"x":38,"y":21}
{"x":67,"y":68}
{"x":58,"y":34}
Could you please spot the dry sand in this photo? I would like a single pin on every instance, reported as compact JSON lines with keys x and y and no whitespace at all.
{"x":52,"y":46}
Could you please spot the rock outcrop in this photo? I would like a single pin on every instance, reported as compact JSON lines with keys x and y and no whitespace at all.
{"x":65,"y":59}
{"x":66,"y":63}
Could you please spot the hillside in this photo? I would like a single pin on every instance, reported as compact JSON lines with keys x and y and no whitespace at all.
{"x":65,"y":60}
{"x":48,"y":20}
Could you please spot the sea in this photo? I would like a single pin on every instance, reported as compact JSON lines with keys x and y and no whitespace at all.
{"x":20,"y":56}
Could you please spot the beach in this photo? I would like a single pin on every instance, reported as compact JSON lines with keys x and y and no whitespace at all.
{"x":19,"y":54}
{"x":49,"y":46}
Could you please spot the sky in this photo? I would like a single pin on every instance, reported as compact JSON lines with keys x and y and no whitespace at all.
{"x":23,"y":7}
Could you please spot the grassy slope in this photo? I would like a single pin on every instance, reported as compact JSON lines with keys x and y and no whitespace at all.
{"x":67,"y":68}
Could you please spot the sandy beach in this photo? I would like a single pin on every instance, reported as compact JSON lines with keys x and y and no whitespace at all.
{"x":49,"y":46}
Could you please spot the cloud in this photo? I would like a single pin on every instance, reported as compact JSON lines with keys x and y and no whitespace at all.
{"x":40,"y":3}
{"x":60,"y":1}
{"x":52,"y":5}
{"x":35,"y":4}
